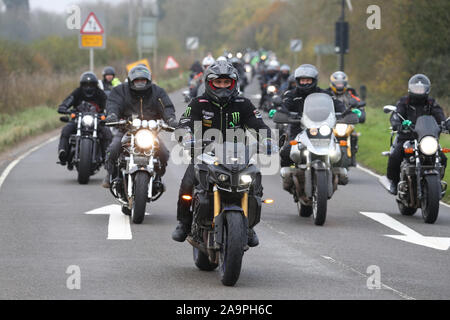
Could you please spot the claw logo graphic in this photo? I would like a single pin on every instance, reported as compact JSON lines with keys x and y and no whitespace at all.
{"x":236,"y":117}
{"x":187,"y":113}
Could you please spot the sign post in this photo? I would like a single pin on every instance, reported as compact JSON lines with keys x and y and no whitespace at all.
{"x":296,"y":46}
{"x":92,"y":36}
{"x":147,"y":37}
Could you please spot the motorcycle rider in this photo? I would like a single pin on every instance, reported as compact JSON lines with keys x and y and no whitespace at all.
{"x":306,"y":77}
{"x":271,"y":76}
{"x":88,"y":91}
{"x":410,"y":107}
{"x":196,"y":86}
{"x":215,"y":108}
{"x":138,"y":96}
{"x":238,"y":65}
{"x":285,"y":72}
{"x":109,"y":80}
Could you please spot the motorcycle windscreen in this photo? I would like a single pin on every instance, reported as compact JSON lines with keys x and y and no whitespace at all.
{"x":233,"y":155}
{"x":318,"y":110}
{"x":427,"y":126}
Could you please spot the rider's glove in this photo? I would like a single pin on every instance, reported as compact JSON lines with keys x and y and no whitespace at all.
{"x":172,"y":122}
{"x":406,"y":124}
{"x":62,"y":109}
{"x":272,"y":113}
{"x":112,"y":118}
{"x":357,"y":112}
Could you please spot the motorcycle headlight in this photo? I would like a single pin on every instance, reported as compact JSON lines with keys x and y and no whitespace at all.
{"x":88,"y":120}
{"x":429,"y":145}
{"x":325,"y":130}
{"x":246,"y":179}
{"x":271,"y":89}
{"x":222,"y":177}
{"x":248,"y":69}
{"x":137,"y":123}
{"x":341,"y":129}
{"x":144,"y":139}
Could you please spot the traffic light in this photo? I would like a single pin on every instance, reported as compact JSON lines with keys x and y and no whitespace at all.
{"x":342,"y":37}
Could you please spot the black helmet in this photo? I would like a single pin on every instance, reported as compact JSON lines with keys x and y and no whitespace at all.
{"x":88,"y":84}
{"x":140,"y":72}
{"x":223,"y":70}
{"x":109,"y":71}
{"x":306,"y":71}
{"x":419,"y":87}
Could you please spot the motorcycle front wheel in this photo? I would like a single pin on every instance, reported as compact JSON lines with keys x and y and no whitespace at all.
{"x":85,"y":163}
{"x":141,"y":181}
{"x":320,"y":197}
{"x":232,"y":251}
{"x":431,"y":191}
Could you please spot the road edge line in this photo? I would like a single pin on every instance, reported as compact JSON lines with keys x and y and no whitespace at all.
{"x":11,"y":166}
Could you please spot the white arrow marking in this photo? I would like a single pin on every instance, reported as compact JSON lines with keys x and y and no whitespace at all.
{"x":119,"y":224}
{"x":409,"y":235}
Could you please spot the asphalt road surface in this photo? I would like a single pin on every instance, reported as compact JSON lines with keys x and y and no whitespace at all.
{"x":47,"y":240}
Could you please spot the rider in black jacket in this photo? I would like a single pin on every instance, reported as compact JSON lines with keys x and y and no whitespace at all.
{"x":410,"y":107}
{"x":141,"y":98}
{"x":219,"y":108}
{"x":87,"y":92}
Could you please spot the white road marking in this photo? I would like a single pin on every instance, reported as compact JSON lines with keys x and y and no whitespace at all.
{"x":119,"y":227}
{"x":409,"y":235}
{"x":16,"y":161}
{"x":378,"y":176}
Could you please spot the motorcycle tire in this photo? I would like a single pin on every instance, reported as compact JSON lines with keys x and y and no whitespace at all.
{"x":202,"y":262}
{"x":85,"y":163}
{"x":431,"y":192}
{"x":232,"y":251}
{"x":320,"y":198}
{"x":141,"y":181}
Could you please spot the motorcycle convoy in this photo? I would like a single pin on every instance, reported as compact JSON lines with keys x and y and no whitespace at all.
{"x":222,"y":206}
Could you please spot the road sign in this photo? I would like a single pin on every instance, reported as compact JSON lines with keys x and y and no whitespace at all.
{"x":146,"y":38}
{"x":134,"y":64}
{"x":171,"y":63}
{"x":92,"y":25}
{"x":92,"y":34}
{"x":192,"y":43}
{"x":296,"y":45}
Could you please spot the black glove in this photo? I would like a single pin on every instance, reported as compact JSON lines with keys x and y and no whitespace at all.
{"x":172,"y":122}
{"x":62,"y":109}
{"x":447,"y":124}
{"x":112,"y":118}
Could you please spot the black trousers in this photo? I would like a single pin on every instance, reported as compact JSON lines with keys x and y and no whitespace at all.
{"x":396,"y":158}
{"x":115,"y":148}
{"x":104,"y":135}
{"x":184,"y":215}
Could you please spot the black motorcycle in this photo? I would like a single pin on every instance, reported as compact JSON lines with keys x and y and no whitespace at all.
{"x":421,"y":171}
{"x":85,"y":148}
{"x":224,"y":206}
{"x":136,"y":181}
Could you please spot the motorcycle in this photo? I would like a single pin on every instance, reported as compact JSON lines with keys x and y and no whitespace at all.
{"x":421,"y":171}
{"x":224,"y":207}
{"x":344,"y":133}
{"x":271,"y":91}
{"x":316,"y":155}
{"x":136,"y":181}
{"x":85,"y":148}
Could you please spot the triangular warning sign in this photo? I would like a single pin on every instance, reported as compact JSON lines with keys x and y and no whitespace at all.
{"x":171,"y":63}
{"x":92,"y":25}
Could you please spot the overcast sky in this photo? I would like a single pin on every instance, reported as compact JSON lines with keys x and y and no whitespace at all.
{"x":60,"y":6}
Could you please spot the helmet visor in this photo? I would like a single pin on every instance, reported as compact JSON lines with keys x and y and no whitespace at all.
{"x":418,"y":88}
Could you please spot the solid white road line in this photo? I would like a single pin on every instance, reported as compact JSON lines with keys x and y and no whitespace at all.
{"x":16,"y":161}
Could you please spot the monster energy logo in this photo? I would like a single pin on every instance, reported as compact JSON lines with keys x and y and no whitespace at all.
{"x":236,"y":116}
{"x":187,"y":113}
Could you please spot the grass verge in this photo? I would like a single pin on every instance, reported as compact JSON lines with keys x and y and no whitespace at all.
{"x":375,"y":138}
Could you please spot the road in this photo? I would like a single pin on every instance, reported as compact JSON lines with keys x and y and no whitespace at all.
{"x":44,"y":231}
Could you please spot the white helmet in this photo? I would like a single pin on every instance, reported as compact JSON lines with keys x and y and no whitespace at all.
{"x":207,"y":61}
{"x":221,"y":58}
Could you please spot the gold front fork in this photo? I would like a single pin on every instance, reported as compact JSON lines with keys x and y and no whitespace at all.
{"x":216,"y":202}
{"x":244,"y":204}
